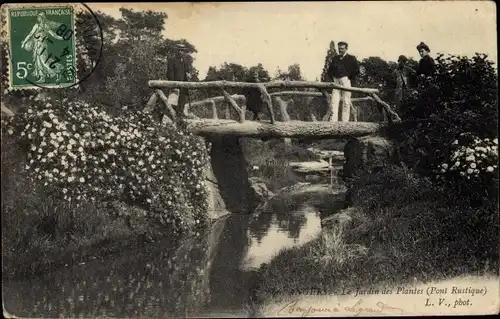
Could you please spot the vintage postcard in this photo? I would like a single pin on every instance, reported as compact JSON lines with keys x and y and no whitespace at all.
{"x":249,"y":159}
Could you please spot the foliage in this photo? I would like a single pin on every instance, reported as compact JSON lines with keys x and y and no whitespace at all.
{"x":234,"y":72}
{"x":461,"y":97}
{"x":377,"y":73}
{"x":328,"y":60}
{"x":293,"y":74}
{"x":82,"y":154}
{"x":138,"y":25}
{"x":120,"y":89}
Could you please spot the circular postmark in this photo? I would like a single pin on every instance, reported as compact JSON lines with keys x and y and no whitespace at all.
{"x":52,"y":45}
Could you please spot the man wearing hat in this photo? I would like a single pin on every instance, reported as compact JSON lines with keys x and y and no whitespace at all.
{"x":426,"y":66}
{"x":402,"y":75}
{"x":177,"y":70}
{"x":343,"y":70}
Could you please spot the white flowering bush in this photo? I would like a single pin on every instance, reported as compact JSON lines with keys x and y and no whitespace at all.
{"x":82,"y":154}
{"x":470,"y":161}
{"x":471,"y":157}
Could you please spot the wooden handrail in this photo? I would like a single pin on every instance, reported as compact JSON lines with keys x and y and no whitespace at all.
{"x":274,"y":84}
{"x":266,"y":97}
{"x":216,"y":99}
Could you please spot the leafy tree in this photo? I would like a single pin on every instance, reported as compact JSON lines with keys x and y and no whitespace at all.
{"x":228,"y":72}
{"x":293,"y":74}
{"x":261,"y":71}
{"x":328,"y":60}
{"x":234,"y":72}
{"x":139,"y":25}
{"x":378,"y":73}
{"x":111,"y":84}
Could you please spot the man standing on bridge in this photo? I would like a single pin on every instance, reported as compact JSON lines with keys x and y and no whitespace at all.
{"x":343,"y":69}
{"x":253,"y":97}
{"x":177,"y":70}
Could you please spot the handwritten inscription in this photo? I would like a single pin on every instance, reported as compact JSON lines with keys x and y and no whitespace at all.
{"x":297,"y":307}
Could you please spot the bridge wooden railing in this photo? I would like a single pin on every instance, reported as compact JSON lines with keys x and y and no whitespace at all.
{"x":212,"y":102}
{"x":323,"y":87}
{"x":276,"y":97}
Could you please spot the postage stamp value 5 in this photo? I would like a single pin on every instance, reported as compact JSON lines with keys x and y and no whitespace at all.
{"x":41,"y":46}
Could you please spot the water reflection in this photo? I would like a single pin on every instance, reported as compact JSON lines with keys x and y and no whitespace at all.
{"x":151,"y":283}
{"x":271,"y":232}
{"x":212,"y":273}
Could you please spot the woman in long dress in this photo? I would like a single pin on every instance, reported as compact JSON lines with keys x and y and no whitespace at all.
{"x":36,"y":42}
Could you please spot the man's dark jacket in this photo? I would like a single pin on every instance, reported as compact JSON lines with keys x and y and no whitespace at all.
{"x":177,"y":70}
{"x":253,"y":98}
{"x":426,"y":66}
{"x":346,"y":66}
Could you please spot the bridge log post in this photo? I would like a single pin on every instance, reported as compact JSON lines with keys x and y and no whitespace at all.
{"x":229,"y":167}
{"x":284,"y":113}
{"x":227,"y":113}
{"x":354,"y":112}
{"x":283,"y":108}
{"x":232,"y":102}
{"x":328,"y":99}
{"x":169,"y":107}
{"x":214,"y":110}
{"x":266,"y":98}
{"x":151,"y":103}
{"x":392,"y":116}
{"x":313,"y":117}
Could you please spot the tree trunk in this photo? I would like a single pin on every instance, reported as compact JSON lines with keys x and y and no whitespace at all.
{"x":291,"y":129}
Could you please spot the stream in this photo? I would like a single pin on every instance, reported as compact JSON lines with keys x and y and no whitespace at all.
{"x":210,"y":275}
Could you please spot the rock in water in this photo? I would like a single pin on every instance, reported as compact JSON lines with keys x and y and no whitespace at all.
{"x":259,"y":191}
{"x":368,"y":150}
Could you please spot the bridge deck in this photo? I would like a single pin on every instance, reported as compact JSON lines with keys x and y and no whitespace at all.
{"x":290,"y":129}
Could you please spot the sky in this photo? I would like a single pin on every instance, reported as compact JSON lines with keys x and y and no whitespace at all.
{"x":278,"y":34}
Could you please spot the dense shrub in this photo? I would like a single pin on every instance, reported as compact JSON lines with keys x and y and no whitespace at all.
{"x":82,"y":154}
{"x":461,"y":97}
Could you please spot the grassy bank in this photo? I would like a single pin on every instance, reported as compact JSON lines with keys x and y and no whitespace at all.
{"x":400,"y":228}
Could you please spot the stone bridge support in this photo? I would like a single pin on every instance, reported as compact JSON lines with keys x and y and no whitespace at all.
{"x":227,"y":177}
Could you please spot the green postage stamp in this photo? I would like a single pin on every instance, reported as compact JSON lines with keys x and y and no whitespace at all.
{"x":42,"y":51}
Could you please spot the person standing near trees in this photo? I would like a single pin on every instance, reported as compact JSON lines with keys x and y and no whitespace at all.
{"x":253,"y":97}
{"x":177,"y":70}
{"x":426,"y":66}
{"x":402,"y":75}
{"x":343,"y":69}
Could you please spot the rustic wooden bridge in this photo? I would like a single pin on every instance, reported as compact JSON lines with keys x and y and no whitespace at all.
{"x":227,"y":175}
{"x":285,"y":128}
